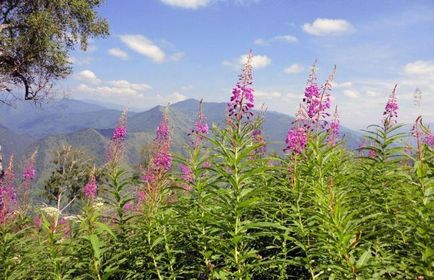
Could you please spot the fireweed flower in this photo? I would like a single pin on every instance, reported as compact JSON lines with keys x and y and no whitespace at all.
{"x":90,"y":189}
{"x":140,"y":196}
{"x":391,"y":110}
{"x":29,"y":173}
{"x":37,"y":221}
{"x":317,"y":100}
{"x":200,"y":128}
{"x":258,"y":138}
{"x":186,"y":173}
{"x":119,"y":132}
{"x":161,"y":159}
{"x":8,"y":196}
{"x":296,"y":140}
{"x":422,"y":134}
{"x":163,"y":132}
{"x":334,"y":127}
{"x":242,"y":99}
{"x":7,"y":184}
{"x":129,"y":207}
{"x":116,"y":147}
{"x":311,"y":94}
{"x":429,"y":140}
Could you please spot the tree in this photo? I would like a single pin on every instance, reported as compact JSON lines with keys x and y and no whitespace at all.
{"x":36,"y":37}
{"x":71,"y":169}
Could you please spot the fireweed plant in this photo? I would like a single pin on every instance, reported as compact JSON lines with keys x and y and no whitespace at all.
{"x":224,"y":208}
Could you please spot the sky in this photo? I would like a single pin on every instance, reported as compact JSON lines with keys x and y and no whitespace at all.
{"x":162,"y":51}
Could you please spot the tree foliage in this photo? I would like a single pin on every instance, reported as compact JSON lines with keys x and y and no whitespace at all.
{"x":36,"y":37}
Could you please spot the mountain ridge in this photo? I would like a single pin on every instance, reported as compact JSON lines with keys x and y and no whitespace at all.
{"x":89,"y":127}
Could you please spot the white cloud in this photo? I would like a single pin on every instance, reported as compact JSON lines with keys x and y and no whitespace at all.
{"x":351,"y":93}
{"x":176,"y":97}
{"x":420,"y":67}
{"x":267,"y":94}
{"x":144,"y":46}
{"x":293,"y":69}
{"x":286,"y":38}
{"x":342,"y":85}
{"x":328,"y":27}
{"x":82,"y":60}
{"x":186,"y":4}
{"x":124,"y":84}
{"x":196,"y":4}
{"x":258,"y":61}
{"x":291,"y":95}
{"x":261,"y":42}
{"x":118,"y":53}
{"x":126,"y":93}
{"x":87,"y":76}
{"x":281,"y":38}
{"x":110,"y":89}
{"x":371,"y":93}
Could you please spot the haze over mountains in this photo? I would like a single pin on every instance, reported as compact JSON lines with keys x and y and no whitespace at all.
{"x":89,"y":127}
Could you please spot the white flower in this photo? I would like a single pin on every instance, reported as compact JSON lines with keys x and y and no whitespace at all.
{"x":51,"y":211}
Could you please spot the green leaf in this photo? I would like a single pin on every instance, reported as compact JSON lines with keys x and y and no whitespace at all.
{"x":96,"y":246}
{"x":364,"y":259}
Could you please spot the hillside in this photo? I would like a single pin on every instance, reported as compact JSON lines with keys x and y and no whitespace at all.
{"x":89,"y":127}
{"x":56,"y":117}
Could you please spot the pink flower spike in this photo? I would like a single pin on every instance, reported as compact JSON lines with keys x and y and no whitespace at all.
{"x":296,"y":140}
{"x":161,"y":158}
{"x":29,"y":172}
{"x":242,"y":99}
{"x":391,"y":109}
{"x":429,"y":140}
{"x":163,"y":131}
{"x":91,"y":188}
{"x":200,"y":126}
{"x":116,"y":147}
{"x":186,"y":173}
{"x":334,"y":127}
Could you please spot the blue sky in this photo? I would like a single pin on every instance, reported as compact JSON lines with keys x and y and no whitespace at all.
{"x":163,"y":51}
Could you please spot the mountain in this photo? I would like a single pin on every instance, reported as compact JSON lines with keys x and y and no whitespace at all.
{"x":56,"y":117}
{"x":89,"y":127}
{"x":275,"y":124}
{"x":13,"y":143}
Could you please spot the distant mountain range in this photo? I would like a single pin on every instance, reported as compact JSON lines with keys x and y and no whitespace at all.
{"x":89,"y":127}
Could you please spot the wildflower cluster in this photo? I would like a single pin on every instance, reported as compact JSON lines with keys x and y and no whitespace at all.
{"x":334,"y":127}
{"x":391,"y":110}
{"x":313,"y":114}
{"x":116,"y":148}
{"x":317,"y":100}
{"x":296,"y":140}
{"x":8,"y":196}
{"x":422,"y":134}
{"x":160,"y":162}
{"x":90,"y":189}
{"x":242,"y":100}
{"x":200,"y":128}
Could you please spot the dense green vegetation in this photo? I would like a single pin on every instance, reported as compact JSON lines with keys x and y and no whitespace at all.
{"x":224,"y":209}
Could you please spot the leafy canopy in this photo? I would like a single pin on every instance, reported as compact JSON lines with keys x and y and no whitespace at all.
{"x":35,"y":38}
